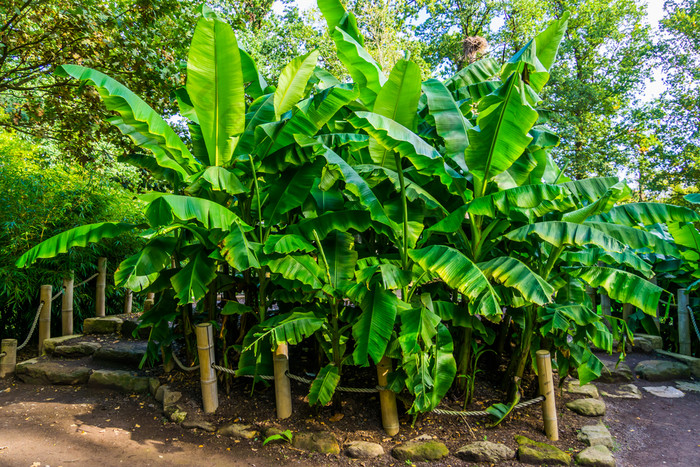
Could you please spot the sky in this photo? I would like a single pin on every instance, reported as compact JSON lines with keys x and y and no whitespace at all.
{"x":654,"y":10}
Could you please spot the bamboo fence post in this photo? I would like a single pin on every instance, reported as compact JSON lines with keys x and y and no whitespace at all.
{"x":387,"y":398}
{"x":44,"y":316}
{"x":683,"y":323}
{"x":657,"y":323}
{"x":283,"y":389}
{"x":67,"y":306}
{"x":128,"y":301}
{"x":150,"y":301}
{"x":207,"y":375}
{"x":101,"y":286}
{"x":592,"y":292}
{"x":549,"y":408}
{"x":8,"y":362}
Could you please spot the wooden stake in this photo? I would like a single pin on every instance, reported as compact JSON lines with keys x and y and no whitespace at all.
{"x":387,"y":399}
{"x":128,"y":301}
{"x":549,"y":408}
{"x":9,"y":361}
{"x":207,"y":375}
{"x":150,"y":301}
{"x":283,"y":390}
{"x":683,"y":323}
{"x":44,"y":316}
{"x":101,"y":286}
{"x":67,"y":306}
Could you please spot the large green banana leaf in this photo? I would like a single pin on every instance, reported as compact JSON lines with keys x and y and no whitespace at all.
{"x":413,"y":190}
{"x":693,"y":198}
{"x":417,"y":324}
{"x":219,"y":179}
{"x":528,"y":201}
{"x":216,"y":87}
{"x":287,"y":243}
{"x":237,"y":250}
{"x":375,"y":325}
{"x":618,"y":192}
{"x":512,"y":273}
{"x":341,"y":257}
{"x":363,"y":69}
{"x":79,"y":236}
{"x":163,"y":210}
{"x":636,"y":238}
{"x":591,"y":257}
{"x":298,"y":267}
{"x":137,"y":271}
{"x":474,"y":73}
{"x":291,"y":328}
{"x":291,"y":86}
{"x":636,"y":214}
{"x":589,"y":190}
{"x":323,"y":386}
{"x":190,"y":283}
{"x":152,"y":165}
{"x":450,"y":124}
{"x":289,"y":191}
{"x":326,"y":223}
{"x":336,"y":16}
{"x":257,"y":84}
{"x":261,"y":111}
{"x":561,"y":234}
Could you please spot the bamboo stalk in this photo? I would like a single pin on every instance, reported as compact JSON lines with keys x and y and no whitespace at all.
{"x":101,"y":286}
{"x":128,"y":301}
{"x":283,"y":389}
{"x":67,"y":306}
{"x":387,"y":398}
{"x":149,"y":302}
{"x":683,"y":323}
{"x":207,"y":375}
{"x":44,"y":316}
{"x":549,"y":408}
{"x":8,"y":362}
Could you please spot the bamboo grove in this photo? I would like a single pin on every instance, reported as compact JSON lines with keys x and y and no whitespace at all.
{"x":382,"y":216}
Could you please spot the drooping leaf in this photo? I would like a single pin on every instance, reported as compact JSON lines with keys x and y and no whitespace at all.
{"x":480,"y":70}
{"x":163,"y":210}
{"x":363,"y":69}
{"x":342,"y":221}
{"x":373,"y":329}
{"x":559,"y":234}
{"x":417,"y":324}
{"x":341,"y":256}
{"x":298,"y":267}
{"x":636,"y":214}
{"x":292,"y":82}
{"x":323,"y":386}
{"x":190,"y":283}
{"x":635,"y":238}
{"x":287,"y":243}
{"x":525,"y":202}
{"x":512,"y":273}
{"x":136,"y":272}
{"x":237,"y":250}
{"x":292,"y":328}
{"x":450,"y":124}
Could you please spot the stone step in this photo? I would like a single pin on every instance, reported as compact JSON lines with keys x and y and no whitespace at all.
{"x":692,"y":362}
{"x":125,"y":325}
{"x":122,"y":351}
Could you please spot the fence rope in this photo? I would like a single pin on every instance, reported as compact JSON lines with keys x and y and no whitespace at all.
{"x":58,"y":294}
{"x":31,"y":331}
{"x":482,"y":413}
{"x":3,"y":354}
{"x":87,"y":280}
{"x":183,"y":367}
{"x":695,"y":325}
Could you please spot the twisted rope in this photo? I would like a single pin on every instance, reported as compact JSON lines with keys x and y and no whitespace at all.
{"x":3,"y":354}
{"x":695,"y":325}
{"x":180,"y":364}
{"x":481,"y":413}
{"x":58,"y":294}
{"x":31,"y":331}
{"x":87,"y":280}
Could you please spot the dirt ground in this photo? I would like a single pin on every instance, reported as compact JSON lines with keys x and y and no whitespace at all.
{"x":80,"y":426}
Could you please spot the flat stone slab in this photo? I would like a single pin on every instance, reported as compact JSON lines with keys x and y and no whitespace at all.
{"x":316,"y":441}
{"x":485,"y":451}
{"x":589,"y":407}
{"x":125,"y":381}
{"x":199,"y":424}
{"x":103,"y":325}
{"x":533,"y":452}
{"x":656,"y":342}
{"x":662,"y":370}
{"x":692,"y":362}
{"x":40,"y":371}
{"x":420,"y":451}
{"x":624,"y":391}
{"x":574,"y":387}
{"x":363,"y":450}
{"x":667,"y":392}
{"x":239,"y":430}
{"x":688,"y":386}
{"x":613,"y":372}
{"x":596,"y":435}
{"x":51,"y":343}
{"x":78,"y":349}
{"x":596,"y":456}
{"x":130,"y":352}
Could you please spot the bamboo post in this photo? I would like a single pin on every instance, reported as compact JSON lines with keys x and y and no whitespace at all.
{"x":549,"y":408}
{"x":44,"y":316}
{"x":283,"y":390}
{"x":67,"y":306}
{"x":150,"y":301}
{"x":128,"y":301}
{"x":207,"y":375}
{"x":656,"y":318}
{"x":101,"y":286}
{"x":683,"y":323}
{"x":592,"y":292}
{"x":8,"y":361}
{"x":627,"y":311}
{"x":387,"y":398}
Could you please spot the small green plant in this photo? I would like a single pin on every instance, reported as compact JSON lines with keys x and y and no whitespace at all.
{"x":286,"y":435}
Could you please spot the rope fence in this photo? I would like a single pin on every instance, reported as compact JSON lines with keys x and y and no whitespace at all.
{"x":31,"y":331}
{"x":182,"y":366}
{"x":695,"y":325}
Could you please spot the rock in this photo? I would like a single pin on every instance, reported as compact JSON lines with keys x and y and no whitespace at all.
{"x":662,"y":370}
{"x":624,"y":391}
{"x":485,"y":451}
{"x":363,"y":450}
{"x":596,"y":456}
{"x":588,"y":407}
{"x":123,"y":352}
{"x":532,"y":452}
{"x":692,"y":362}
{"x":105,"y":325}
{"x":616,"y":373}
{"x":642,"y":344}
{"x":119,"y":379}
{"x":655,"y":341}
{"x":176,"y":413}
{"x":167,"y":396}
{"x":79,"y":349}
{"x":420,"y":451}
{"x":574,"y":387}
{"x":40,"y":371}
{"x":667,"y":392}
{"x":51,"y":343}
{"x":238,"y":430}
{"x":275,"y":430}
{"x":596,"y":435}
{"x":153,"y":385}
{"x":201,"y":424}
{"x":688,"y":386}
{"x":318,"y":441}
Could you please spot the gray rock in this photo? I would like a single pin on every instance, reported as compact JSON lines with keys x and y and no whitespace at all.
{"x":667,"y":392}
{"x":125,"y":381}
{"x":131,"y":352}
{"x":655,"y":341}
{"x":238,"y":430}
{"x":41,"y":371}
{"x":485,"y":451}
{"x":596,"y":456}
{"x":616,"y":373}
{"x":171,"y":397}
{"x":533,"y":452}
{"x":420,"y":451}
{"x":318,"y":441}
{"x":688,"y":386}
{"x":588,"y":407}
{"x":661,"y":370}
{"x":79,"y":349}
{"x":692,"y":362}
{"x":105,"y":325}
{"x":363,"y":450}
{"x":51,"y":343}
{"x":642,"y":344}
{"x":200,"y":424}
{"x":574,"y":387}
{"x":160,"y":391}
{"x":153,"y":385}
{"x":596,"y":435}
{"x":624,"y":391}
